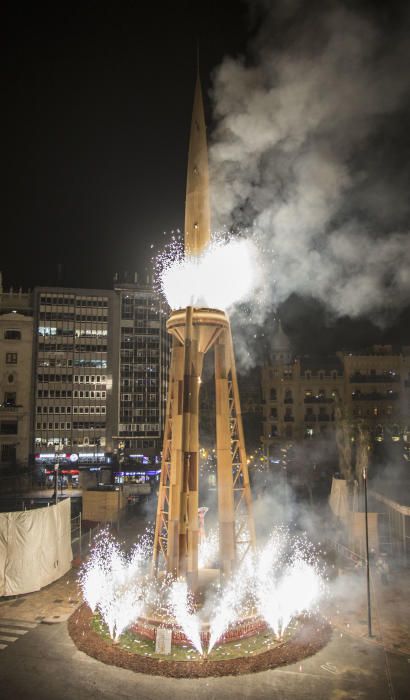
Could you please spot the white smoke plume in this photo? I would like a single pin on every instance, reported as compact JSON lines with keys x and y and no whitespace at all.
{"x":304,"y":156}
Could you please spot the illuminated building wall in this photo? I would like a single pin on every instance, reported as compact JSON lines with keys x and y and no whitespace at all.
{"x":16,"y":342}
{"x":72,"y":375}
{"x":142,"y":373}
{"x":299,"y":398}
{"x":377,"y":389}
{"x":298,"y":393}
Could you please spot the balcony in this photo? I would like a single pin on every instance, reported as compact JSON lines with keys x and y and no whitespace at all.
{"x":323,"y":417}
{"x":318,"y":399}
{"x":375,"y":396}
{"x":10,"y":408}
{"x":385,"y":378}
{"x":289,"y":419}
{"x":288,"y":400}
{"x":309,"y":418}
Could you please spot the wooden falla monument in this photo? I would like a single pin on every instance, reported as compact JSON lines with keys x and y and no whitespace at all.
{"x":195,"y":332}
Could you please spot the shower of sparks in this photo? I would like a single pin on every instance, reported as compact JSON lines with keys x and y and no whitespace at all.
{"x":181,"y":605}
{"x":287,"y":580}
{"x":223,"y":275}
{"x":231,"y":604}
{"x":113,"y":584}
{"x":278,"y":582}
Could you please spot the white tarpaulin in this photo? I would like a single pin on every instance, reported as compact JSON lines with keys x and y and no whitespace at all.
{"x":339,"y":498}
{"x":35,"y":548}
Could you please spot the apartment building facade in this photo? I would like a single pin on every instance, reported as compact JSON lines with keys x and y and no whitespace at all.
{"x":16,"y":344}
{"x":300,"y":394}
{"x":142,"y":371}
{"x":75,"y":336}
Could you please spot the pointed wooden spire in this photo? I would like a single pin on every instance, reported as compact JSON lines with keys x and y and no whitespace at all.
{"x":197,"y":213}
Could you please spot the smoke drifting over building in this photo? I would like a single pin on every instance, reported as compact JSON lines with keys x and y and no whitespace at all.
{"x":309,"y":155}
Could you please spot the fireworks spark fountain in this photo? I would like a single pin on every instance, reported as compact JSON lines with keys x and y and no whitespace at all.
{"x":222,"y":276}
{"x":113,"y":583}
{"x":230,"y":605}
{"x":288,"y":580}
{"x":278,"y":582}
{"x":181,"y":605}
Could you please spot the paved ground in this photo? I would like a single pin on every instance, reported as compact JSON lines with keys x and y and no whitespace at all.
{"x":390,"y":609}
{"x":42,"y":662}
{"x":45,"y":665}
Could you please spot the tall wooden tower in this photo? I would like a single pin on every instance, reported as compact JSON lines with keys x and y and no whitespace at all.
{"x":196,"y":331}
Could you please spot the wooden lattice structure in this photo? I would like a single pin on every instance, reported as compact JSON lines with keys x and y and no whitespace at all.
{"x":196,"y":332}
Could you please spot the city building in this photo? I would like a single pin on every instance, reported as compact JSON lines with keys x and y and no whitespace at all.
{"x":75,"y":343}
{"x":16,"y":343}
{"x":377,"y":389}
{"x":299,"y":394}
{"x":143,"y":360}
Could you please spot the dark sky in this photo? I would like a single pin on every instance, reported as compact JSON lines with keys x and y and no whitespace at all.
{"x":97,"y":107}
{"x":97,"y":100}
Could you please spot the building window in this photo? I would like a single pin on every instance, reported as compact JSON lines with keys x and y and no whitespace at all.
{"x":8,"y":453}
{"x":12,"y":334}
{"x":11,"y":358}
{"x":10,"y":398}
{"x":8,"y":428}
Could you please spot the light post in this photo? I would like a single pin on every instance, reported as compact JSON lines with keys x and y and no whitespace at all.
{"x":369,"y":612}
{"x":96,"y":459}
{"x":56,"y":482}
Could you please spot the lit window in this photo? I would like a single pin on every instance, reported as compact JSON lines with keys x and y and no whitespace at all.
{"x":47,"y":330}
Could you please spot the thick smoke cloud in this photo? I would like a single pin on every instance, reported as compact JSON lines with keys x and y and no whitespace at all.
{"x":309,"y":155}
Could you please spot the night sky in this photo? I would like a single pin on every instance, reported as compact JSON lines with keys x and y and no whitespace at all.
{"x":98,"y":107}
{"x":97,"y":104}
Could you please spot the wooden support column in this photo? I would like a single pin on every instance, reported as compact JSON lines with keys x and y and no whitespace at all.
{"x":174,"y":510}
{"x":189,"y":526}
{"x":244,"y":477}
{"x":226,"y":506}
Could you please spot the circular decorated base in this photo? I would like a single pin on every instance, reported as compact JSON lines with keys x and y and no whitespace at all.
{"x":248,"y":627}
{"x":253,"y":653}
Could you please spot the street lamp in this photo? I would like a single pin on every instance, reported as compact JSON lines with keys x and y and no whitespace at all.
{"x":369,"y":612}
{"x":56,"y":482}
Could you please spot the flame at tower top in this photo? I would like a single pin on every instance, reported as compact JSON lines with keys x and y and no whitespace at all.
{"x":197,"y":213}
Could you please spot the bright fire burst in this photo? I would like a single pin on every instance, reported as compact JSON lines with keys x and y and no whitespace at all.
{"x":222,"y":276}
{"x":278,"y":582}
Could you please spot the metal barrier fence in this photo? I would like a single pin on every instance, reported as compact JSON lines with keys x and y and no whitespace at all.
{"x":81,"y":541}
{"x":399,"y":522}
